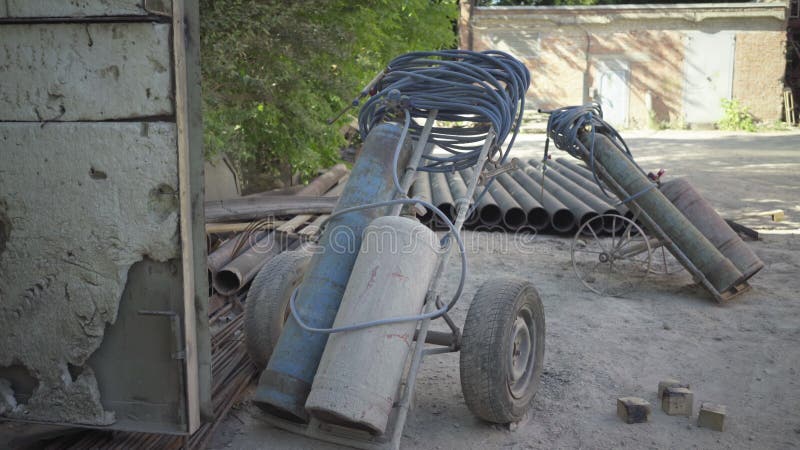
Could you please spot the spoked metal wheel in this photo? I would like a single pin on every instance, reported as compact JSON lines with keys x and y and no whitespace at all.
{"x":612,"y":264}
{"x":663,"y":262}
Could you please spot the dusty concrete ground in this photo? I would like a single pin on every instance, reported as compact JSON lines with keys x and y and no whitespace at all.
{"x":745,"y":354}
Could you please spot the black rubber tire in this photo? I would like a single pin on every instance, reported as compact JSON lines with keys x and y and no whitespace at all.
{"x":267,"y":303}
{"x":486,"y":346}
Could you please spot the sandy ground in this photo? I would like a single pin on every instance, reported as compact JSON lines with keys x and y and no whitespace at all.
{"x":744,"y":354}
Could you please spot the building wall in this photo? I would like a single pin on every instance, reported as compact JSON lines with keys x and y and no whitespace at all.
{"x":95,"y":202}
{"x":564,"y":46}
{"x":758,"y":74}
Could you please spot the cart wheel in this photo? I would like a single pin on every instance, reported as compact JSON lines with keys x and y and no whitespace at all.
{"x":664,"y":263}
{"x":615,"y":264}
{"x":266,"y":308}
{"x":502,"y":349}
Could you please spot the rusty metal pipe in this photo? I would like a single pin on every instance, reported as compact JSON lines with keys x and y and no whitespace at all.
{"x":583,"y":177}
{"x":599,"y":206}
{"x":217,"y":259}
{"x":324,"y":182}
{"x":514,"y":216}
{"x":442,"y":198}
{"x":583,"y":212}
{"x":536,"y":215}
{"x":458,"y":189}
{"x":237,"y":273}
{"x":562,"y":219}
{"x":422,"y":189}
{"x":489,"y":213}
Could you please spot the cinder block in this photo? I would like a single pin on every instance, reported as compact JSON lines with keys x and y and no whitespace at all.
{"x":677,"y":401}
{"x":667,"y":383}
{"x":712,"y":416}
{"x":633,"y":409}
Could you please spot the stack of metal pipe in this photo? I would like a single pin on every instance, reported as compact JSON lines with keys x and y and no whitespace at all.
{"x":557,"y":198}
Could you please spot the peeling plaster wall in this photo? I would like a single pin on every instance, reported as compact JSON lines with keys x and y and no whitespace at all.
{"x":89,"y":215}
{"x":96,"y":71}
{"x":109,"y":201}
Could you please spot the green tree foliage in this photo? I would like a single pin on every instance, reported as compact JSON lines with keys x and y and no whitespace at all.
{"x":275,"y":70}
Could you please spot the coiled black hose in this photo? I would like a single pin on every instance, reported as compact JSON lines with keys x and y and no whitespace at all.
{"x":563,"y":127}
{"x":483,"y":89}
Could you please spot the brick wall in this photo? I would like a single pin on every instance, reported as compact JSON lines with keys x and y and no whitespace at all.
{"x":759,"y":67}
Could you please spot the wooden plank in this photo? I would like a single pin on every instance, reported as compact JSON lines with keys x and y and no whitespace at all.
{"x":741,"y":229}
{"x":189,"y":193}
{"x":312,"y":229}
{"x":81,"y":8}
{"x":252,"y":208}
{"x":236,"y":227}
{"x":190,"y":37}
{"x":294,"y":223}
{"x":85,"y":72}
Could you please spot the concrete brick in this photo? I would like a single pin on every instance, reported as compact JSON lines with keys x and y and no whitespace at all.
{"x":677,"y":401}
{"x":83,"y":72}
{"x":668,"y":383}
{"x":633,"y":409}
{"x":712,"y":416}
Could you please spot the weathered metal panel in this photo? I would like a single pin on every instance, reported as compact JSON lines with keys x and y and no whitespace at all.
{"x":72,"y":72}
{"x":80,"y":204}
{"x":139,"y":365}
{"x":708,"y":74}
{"x":77,"y":8}
{"x":614,"y":90}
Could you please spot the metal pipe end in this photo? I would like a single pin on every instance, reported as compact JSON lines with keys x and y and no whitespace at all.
{"x":538,"y":218}
{"x":227,"y":281}
{"x":515,"y":218}
{"x":563,"y":221}
{"x":490,"y":215}
{"x":610,"y":225}
{"x":596,"y":226}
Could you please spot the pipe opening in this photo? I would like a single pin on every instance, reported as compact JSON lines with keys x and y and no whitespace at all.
{"x":563,"y":220}
{"x":472,"y":218}
{"x":515,"y":218}
{"x":427,"y":217}
{"x":490,"y":215}
{"x":448,"y":210}
{"x":612,"y":224}
{"x":538,"y":218}
{"x":595,"y":225}
{"x":226,"y":282}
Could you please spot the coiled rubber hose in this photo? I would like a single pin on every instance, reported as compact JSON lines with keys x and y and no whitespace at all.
{"x":486,"y":89}
{"x":480,"y":89}
{"x":563,"y":127}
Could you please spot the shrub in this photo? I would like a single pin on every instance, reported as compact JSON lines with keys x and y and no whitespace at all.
{"x":735,"y":117}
